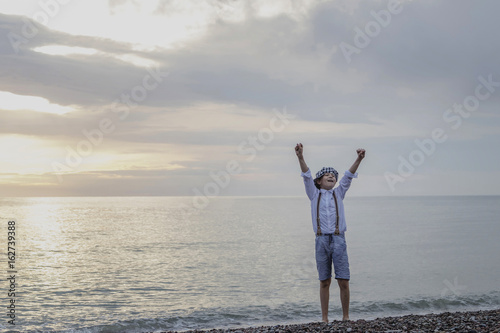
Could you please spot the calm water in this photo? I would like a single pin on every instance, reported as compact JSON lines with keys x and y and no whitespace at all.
{"x":157,"y":263}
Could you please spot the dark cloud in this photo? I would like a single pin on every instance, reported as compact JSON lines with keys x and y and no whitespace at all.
{"x":268,"y":62}
{"x":83,"y":80}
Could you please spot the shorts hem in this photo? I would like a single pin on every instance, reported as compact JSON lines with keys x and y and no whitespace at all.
{"x":342,"y":278}
{"x":320,"y":279}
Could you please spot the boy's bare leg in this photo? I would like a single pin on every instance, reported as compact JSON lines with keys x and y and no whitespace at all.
{"x":324,"y":296}
{"x":344,"y":297}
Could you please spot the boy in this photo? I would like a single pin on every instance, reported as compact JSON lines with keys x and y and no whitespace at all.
{"x":327,"y":210}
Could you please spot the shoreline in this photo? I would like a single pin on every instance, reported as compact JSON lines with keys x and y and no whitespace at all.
{"x":468,"y":321}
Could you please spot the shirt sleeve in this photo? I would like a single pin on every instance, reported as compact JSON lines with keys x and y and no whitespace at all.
{"x":309,"y":183}
{"x":345,"y":183}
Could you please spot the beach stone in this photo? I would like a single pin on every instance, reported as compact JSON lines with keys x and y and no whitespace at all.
{"x":471,"y":322}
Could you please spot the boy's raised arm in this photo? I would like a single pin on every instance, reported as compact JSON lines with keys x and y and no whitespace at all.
{"x":299,"y":150}
{"x":355,"y":165}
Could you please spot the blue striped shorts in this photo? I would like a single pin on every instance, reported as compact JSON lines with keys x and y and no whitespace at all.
{"x":332,"y":248}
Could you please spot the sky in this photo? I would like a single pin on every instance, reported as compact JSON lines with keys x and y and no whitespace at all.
{"x":210,"y":97}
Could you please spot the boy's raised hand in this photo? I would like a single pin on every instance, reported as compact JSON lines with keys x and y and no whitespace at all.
{"x":361,"y":153}
{"x":299,"y":148}
{"x":355,"y":165}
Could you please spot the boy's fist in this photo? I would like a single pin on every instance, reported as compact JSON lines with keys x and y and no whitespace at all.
{"x":361,"y":153}
{"x":299,"y":148}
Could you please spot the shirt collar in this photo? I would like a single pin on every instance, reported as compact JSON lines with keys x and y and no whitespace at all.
{"x":323,"y":191}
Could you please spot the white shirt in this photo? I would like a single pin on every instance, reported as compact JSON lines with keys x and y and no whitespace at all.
{"x":327,"y":211}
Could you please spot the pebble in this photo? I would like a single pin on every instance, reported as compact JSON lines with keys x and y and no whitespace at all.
{"x":472,"y":322}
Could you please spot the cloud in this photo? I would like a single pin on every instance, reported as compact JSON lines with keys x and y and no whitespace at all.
{"x":70,"y":79}
{"x":230,"y":71}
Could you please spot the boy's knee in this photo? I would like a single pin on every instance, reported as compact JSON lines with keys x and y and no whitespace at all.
{"x":343,"y":284}
{"x":325,"y":283}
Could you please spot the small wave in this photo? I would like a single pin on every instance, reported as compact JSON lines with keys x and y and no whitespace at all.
{"x":290,"y":313}
{"x":424,"y":305}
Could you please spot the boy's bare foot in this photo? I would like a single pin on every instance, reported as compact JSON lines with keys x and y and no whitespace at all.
{"x":346,"y":319}
{"x":325,"y":320}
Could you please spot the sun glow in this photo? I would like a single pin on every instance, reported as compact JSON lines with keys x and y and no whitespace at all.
{"x":24,"y":155}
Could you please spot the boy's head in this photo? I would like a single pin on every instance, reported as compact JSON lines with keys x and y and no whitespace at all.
{"x":326,"y":178}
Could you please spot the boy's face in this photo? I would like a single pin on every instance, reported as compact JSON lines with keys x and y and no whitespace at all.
{"x":327,"y":181}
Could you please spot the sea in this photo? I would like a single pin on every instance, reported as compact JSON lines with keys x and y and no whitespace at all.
{"x":152,"y":264}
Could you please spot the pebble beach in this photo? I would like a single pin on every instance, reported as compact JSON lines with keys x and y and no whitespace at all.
{"x":471,"y":322}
